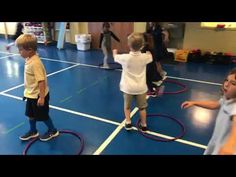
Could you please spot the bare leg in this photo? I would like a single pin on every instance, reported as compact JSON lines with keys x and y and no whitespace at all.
{"x":160,"y":70}
{"x":143,"y":116}
{"x":105,"y":59}
{"x":127,"y":115}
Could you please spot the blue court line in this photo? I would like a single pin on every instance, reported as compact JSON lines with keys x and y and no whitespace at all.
{"x":13,"y":128}
{"x":92,"y":84}
{"x":67,"y":98}
{"x":83,"y":89}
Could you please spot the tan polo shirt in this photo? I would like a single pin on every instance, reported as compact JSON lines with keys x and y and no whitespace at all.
{"x":34,"y":72}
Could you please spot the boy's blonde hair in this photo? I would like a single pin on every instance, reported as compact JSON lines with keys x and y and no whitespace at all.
{"x":27,"y":41}
{"x":136,"y":41}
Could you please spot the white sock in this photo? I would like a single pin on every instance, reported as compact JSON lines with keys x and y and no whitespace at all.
{"x":128,"y":122}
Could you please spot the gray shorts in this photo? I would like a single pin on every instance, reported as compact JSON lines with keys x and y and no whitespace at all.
{"x":140,"y":100}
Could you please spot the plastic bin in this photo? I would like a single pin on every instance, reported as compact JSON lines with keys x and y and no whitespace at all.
{"x":83,"y":41}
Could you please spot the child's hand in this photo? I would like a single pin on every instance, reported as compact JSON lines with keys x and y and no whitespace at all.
{"x":40,"y":101}
{"x":187,"y":104}
{"x":115,"y":51}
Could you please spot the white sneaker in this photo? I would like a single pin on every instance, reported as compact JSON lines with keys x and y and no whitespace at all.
{"x":163,"y":73}
{"x":164,"y":78}
{"x":105,"y":67}
{"x":158,"y":83}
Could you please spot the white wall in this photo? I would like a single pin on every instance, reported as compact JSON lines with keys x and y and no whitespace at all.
{"x":11,"y":28}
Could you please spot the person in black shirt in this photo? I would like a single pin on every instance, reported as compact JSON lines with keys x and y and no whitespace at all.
{"x":159,"y":42}
{"x":152,"y":75}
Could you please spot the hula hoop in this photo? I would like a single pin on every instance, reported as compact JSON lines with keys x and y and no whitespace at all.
{"x":175,"y":92}
{"x":158,"y":139}
{"x":27,"y":147}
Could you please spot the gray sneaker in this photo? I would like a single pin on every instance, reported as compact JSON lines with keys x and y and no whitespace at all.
{"x":29,"y":135}
{"x":49,"y":135}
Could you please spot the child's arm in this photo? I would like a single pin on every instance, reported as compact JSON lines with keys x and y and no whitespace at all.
{"x":116,"y":56}
{"x":115,"y":37}
{"x":203,"y":104}
{"x":114,"y":52}
{"x":229,"y":146}
{"x":42,"y":87}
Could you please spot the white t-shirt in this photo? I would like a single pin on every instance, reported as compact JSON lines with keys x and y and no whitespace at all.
{"x":222,"y":126}
{"x":133,"y":78}
{"x":34,"y":72}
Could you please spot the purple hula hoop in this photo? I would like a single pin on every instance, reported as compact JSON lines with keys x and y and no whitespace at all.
{"x":61,"y":131}
{"x":158,"y":139}
{"x":177,"y":83}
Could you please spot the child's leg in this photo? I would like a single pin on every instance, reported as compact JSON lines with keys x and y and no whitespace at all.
{"x":142,"y":105}
{"x":50,"y":125}
{"x":32,"y":133}
{"x":105,"y":59}
{"x":127,"y":103}
{"x":32,"y":123}
{"x":143,"y":117}
{"x":160,"y":70}
{"x":52,"y":131}
{"x":127,"y":115}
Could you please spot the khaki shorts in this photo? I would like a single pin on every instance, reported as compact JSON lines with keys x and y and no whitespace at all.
{"x":140,"y":100}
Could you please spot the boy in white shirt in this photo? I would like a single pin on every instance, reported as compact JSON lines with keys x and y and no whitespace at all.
{"x":133,"y":79}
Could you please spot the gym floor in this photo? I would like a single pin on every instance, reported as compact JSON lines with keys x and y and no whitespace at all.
{"x":86,"y":99}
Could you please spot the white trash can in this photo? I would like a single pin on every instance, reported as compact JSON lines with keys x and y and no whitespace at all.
{"x":83,"y":41}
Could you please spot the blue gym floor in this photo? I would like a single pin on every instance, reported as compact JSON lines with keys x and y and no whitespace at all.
{"x":87,"y":100}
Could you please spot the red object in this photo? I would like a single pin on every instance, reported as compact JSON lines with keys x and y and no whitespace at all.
{"x":220,"y":26}
{"x":228,"y":54}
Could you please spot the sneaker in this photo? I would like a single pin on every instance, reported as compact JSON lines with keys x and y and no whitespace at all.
{"x":163,"y":73}
{"x":49,"y":135}
{"x":152,"y":93}
{"x":29,"y":135}
{"x":128,"y":126}
{"x":105,"y":66}
{"x":143,"y":129}
{"x":164,"y":77}
{"x":158,"y":83}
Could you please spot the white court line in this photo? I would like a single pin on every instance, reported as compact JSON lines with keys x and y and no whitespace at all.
{"x":44,"y":58}
{"x":62,"y":70}
{"x":178,"y":140}
{"x":60,"y":61}
{"x":7,"y":52}
{"x":85,"y":115}
{"x":113,"y":134}
{"x":70,"y":111}
{"x":12,"y":88}
{"x":116,"y":131}
{"x":193,"y":80}
{"x":8,"y":56}
{"x":47,"y":76}
{"x":94,"y":66}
